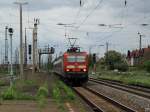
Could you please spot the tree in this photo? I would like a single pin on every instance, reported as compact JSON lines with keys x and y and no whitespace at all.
{"x":147,"y":65}
{"x":115,"y":60}
{"x":112,"y":57}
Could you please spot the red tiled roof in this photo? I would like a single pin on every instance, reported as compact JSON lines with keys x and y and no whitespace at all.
{"x":137,"y":53}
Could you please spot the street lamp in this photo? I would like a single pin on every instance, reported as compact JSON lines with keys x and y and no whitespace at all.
{"x":11,"y":70}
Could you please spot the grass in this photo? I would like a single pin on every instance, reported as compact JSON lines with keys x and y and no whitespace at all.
{"x":66,"y":93}
{"x":2,"y":83}
{"x":139,"y":78}
{"x":3,"y":71}
{"x":15,"y":92}
{"x":25,"y":83}
{"x":11,"y":93}
{"x":62,"y":94}
{"x":42,"y":94}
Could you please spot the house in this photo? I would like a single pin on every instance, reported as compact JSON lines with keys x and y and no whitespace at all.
{"x":137,"y":56}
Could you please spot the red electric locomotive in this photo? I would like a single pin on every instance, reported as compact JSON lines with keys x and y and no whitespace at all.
{"x":72,"y":65}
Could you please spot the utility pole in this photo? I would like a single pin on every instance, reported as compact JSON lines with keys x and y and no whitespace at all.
{"x":140,"y":40}
{"x":21,"y":40}
{"x":35,"y":50}
{"x":6,"y":46}
{"x":107,"y":45}
{"x":140,"y":47}
{"x":25,"y":53}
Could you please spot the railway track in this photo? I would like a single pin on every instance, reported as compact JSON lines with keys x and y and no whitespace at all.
{"x":99,"y":102}
{"x":143,"y":92}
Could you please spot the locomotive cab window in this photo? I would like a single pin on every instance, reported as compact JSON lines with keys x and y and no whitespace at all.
{"x":80,"y":58}
{"x":71,"y":58}
{"x":76,"y":58}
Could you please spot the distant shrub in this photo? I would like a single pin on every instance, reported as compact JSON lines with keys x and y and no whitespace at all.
{"x":111,"y":67}
{"x":147,"y":65}
{"x":122,"y":66}
{"x":140,"y":66}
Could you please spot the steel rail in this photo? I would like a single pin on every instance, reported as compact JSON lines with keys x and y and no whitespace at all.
{"x":118,"y":104}
{"x":134,"y":90}
{"x":90,"y":103}
{"x":106,"y":98}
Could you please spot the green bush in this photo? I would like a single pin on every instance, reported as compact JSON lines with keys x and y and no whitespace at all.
{"x":122,"y":66}
{"x":10,"y":93}
{"x":56,"y":94}
{"x":147,"y":65}
{"x":111,"y":67}
{"x":43,"y":91}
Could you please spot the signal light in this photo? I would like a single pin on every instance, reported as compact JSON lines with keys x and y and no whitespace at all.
{"x":52,"y":50}
{"x":30,"y":50}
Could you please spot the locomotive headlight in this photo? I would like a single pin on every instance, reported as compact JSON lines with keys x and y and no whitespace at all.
{"x":84,"y":69}
{"x":67,"y":70}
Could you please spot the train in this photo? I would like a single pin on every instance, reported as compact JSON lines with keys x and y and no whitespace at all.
{"x":72,"y":66}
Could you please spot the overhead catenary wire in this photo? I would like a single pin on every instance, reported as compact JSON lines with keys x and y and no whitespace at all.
{"x":89,"y":14}
{"x":122,"y":22}
{"x":135,"y":22}
{"x":77,"y":15}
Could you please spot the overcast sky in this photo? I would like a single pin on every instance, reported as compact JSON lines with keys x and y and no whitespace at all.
{"x":125,"y":22}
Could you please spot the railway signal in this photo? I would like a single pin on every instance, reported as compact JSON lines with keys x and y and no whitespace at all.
{"x":94,"y":58}
{"x":94,"y":62}
{"x":48,"y":50}
{"x":11,"y":70}
{"x":52,"y":50}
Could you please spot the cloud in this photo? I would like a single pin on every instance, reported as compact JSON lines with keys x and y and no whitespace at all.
{"x":109,"y":12}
